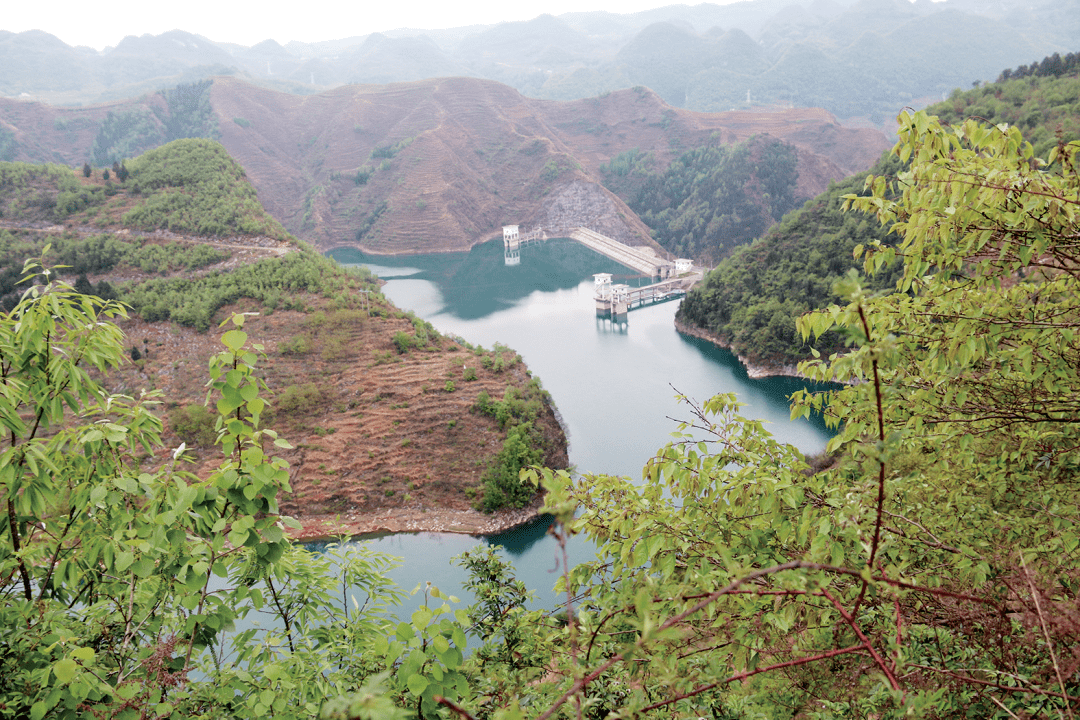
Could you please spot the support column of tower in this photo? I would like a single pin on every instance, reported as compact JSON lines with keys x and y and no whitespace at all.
{"x":511,"y":245}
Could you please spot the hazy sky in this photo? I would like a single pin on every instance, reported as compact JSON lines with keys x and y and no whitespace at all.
{"x":105,"y":23}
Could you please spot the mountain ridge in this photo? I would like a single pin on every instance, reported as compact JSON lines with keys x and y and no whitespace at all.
{"x":430,"y":165}
{"x":481,"y":155}
{"x":577,"y":55}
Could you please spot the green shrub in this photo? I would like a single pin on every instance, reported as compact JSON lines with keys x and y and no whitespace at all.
{"x":514,"y":408}
{"x":502,"y":485}
{"x":302,"y":399}
{"x":404,"y":342}
{"x":335,"y":347}
{"x":296,"y":345}
{"x":194,"y":425}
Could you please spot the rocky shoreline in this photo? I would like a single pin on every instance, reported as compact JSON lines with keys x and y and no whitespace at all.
{"x":754,"y":370}
{"x":413,"y":519}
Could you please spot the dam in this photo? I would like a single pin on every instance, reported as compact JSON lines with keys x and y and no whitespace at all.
{"x":642,"y":260}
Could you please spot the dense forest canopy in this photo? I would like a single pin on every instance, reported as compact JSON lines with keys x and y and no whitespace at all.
{"x":752,"y":299}
{"x":711,"y":199}
{"x":182,"y":111}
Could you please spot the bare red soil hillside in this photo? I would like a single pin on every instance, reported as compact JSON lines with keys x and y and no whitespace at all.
{"x":442,"y":164}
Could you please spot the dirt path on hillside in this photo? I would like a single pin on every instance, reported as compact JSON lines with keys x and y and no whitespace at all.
{"x":264,"y":245}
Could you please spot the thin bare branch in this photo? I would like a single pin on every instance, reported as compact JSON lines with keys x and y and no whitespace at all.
{"x":749,"y":673}
{"x":865,"y":640}
{"x":1046,"y":632}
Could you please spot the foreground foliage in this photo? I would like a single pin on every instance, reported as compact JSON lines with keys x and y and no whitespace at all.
{"x":935,"y":571}
{"x":136,"y":592}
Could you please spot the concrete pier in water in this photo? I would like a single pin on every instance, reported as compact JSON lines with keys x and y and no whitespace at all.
{"x":615,"y":300}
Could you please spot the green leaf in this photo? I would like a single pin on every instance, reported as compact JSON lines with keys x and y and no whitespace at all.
{"x":416,"y":683}
{"x":421,"y":618}
{"x":65,"y":670}
{"x":85,"y":654}
{"x":405,"y":632}
{"x":123,"y":560}
{"x":234,"y":339}
{"x":143,"y":568}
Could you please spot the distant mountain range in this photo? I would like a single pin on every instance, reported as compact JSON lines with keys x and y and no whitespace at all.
{"x":428,"y":165}
{"x":864,"y":59}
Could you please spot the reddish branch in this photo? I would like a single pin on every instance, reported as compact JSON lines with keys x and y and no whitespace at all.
{"x":743,"y":675}
{"x":865,"y":640}
{"x":733,"y":587}
{"x":999,"y":686}
{"x":454,"y":706}
{"x":671,"y":622}
{"x":881,"y":440}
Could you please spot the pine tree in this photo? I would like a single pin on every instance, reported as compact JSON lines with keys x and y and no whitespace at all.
{"x":83,"y":285}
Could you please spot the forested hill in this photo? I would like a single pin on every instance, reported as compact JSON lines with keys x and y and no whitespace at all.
{"x":710,"y":199}
{"x":751,"y":299}
{"x":378,"y":401}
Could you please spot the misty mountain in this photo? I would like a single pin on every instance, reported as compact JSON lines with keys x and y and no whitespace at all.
{"x":855,"y":58}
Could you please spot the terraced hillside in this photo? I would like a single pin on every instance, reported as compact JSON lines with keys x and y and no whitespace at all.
{"x":382,"y":410}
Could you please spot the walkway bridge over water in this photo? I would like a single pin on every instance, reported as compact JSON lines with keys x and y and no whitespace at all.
{"x":618,"y":299}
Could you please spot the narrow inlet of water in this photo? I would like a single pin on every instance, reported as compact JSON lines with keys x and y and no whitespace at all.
{"x":614,"y":384}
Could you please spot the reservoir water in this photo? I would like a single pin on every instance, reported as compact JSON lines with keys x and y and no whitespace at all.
{"x":613,"y":384}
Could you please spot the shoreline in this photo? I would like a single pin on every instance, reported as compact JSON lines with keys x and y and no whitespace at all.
{"x":415,"y":519}
{"x":753,"y":370}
